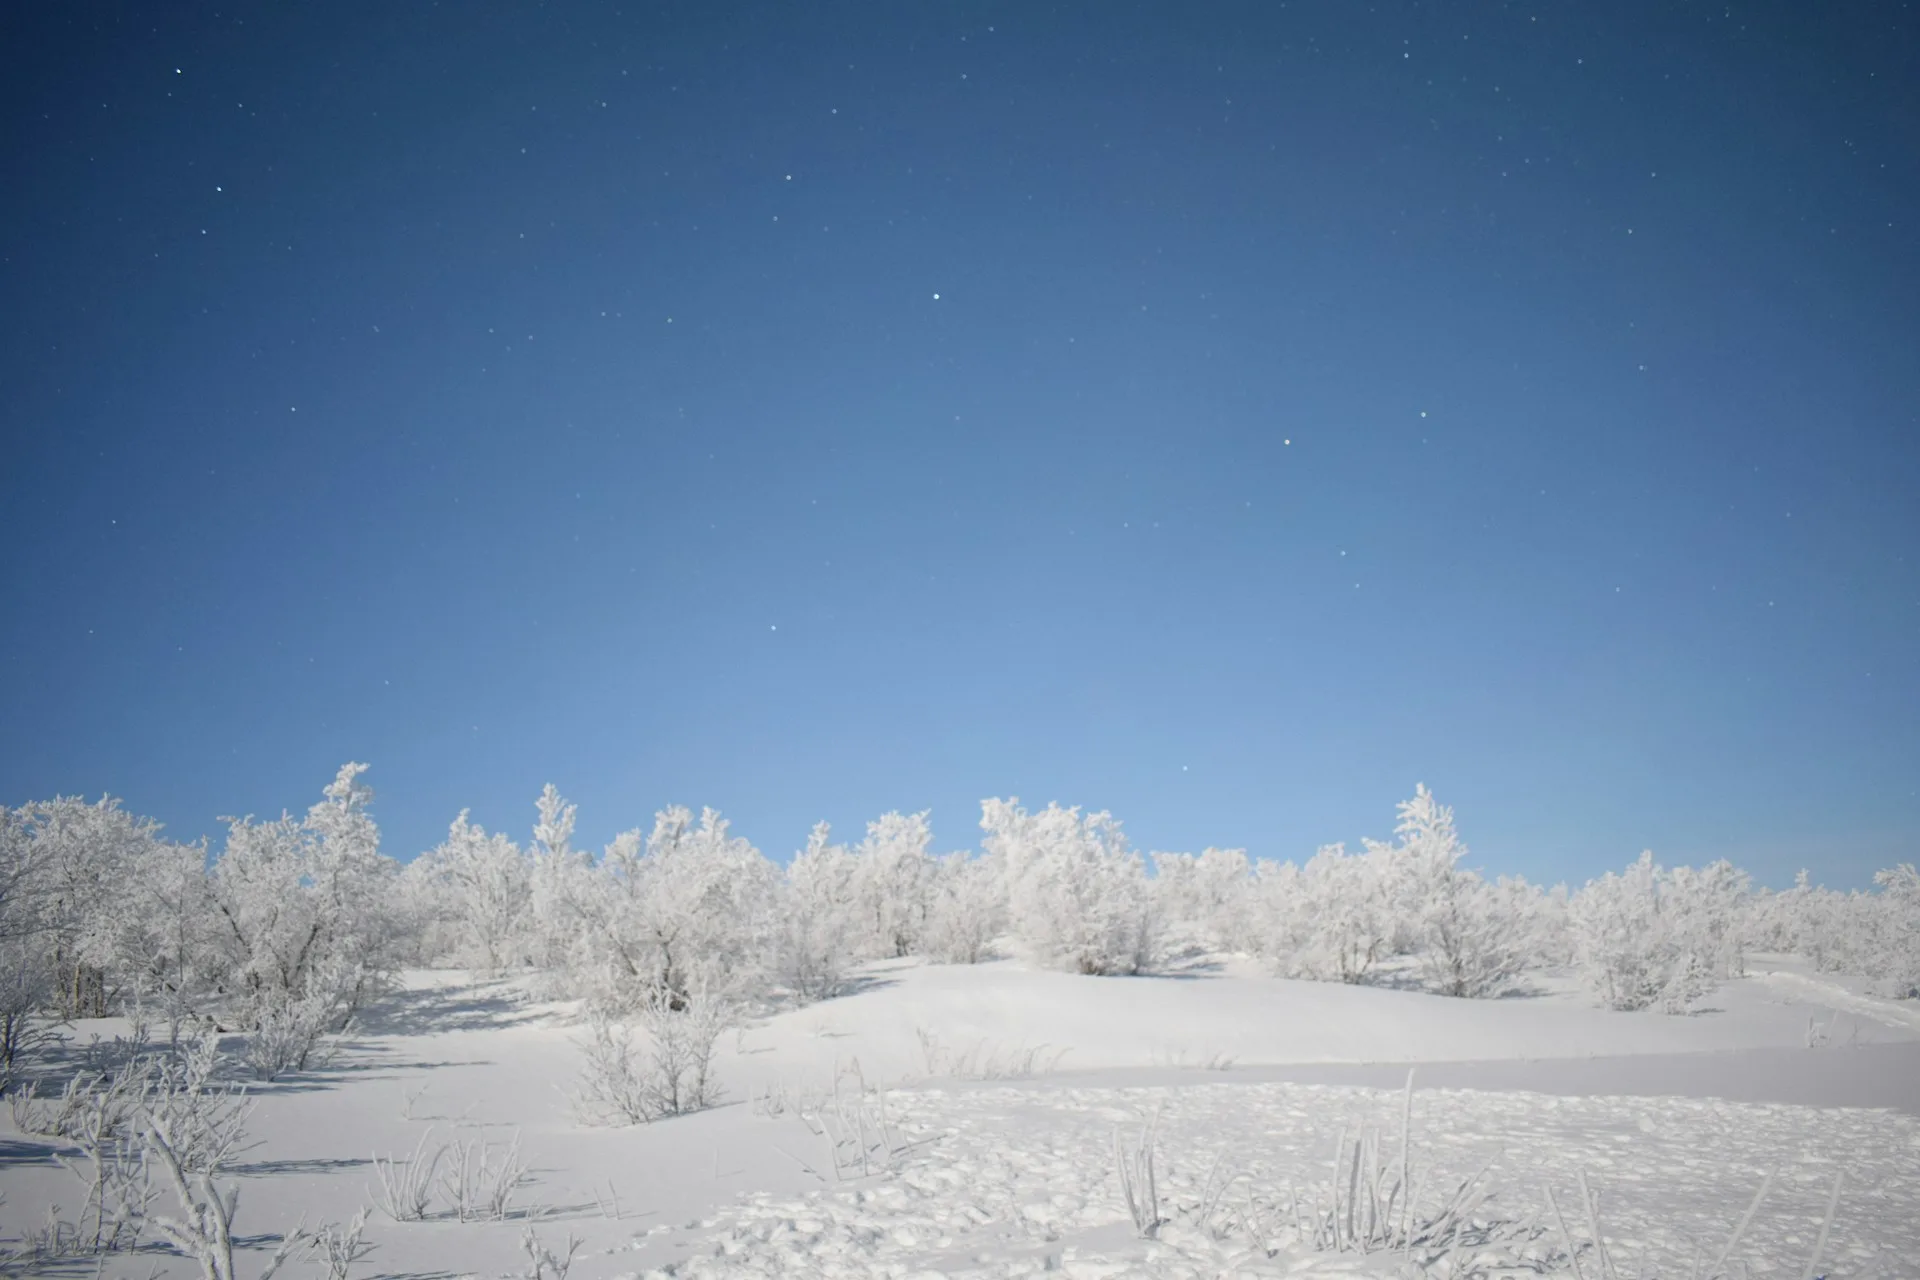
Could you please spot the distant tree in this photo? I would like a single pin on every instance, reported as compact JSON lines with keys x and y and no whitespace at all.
{"x":1347,"y":914}
{"x":893,"y":882}
{"x":1275,"y":907}
{"x":558,"y":882}
{"x":685,"y":912}
{"x":819,"y":914}
{"x":966,"y":910}
{"x":1874,"y":934}
{"x":1634,"y":947}
{"x":1773,"y":920}
{"x":1710,"y":906}
{"x":307,"y":921}
{"x":1470,"y":936}
{"x":1897,"y":972}
{"x":1076,"y":894}
{"x":479,"y":887}
{"x":165,"y":941}
{"x":1211,"y":895}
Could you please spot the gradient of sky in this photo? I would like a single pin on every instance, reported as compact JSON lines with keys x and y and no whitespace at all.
{"x":1224,"y":414}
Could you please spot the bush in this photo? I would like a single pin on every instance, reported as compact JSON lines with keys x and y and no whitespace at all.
{"x":814,"y":936}
{"x":964,"y":912}
{"x":667,"y":1073}
{"x":1636,"y":944}
{"x":1076,"y":894}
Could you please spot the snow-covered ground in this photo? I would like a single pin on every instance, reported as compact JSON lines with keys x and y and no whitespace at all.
{"x":987,"y":1100}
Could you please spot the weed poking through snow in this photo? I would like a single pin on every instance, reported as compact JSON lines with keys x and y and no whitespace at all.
{"x":1138,"y":1185}
{"x":542,"y":1262}
{"x":405,"y":1188}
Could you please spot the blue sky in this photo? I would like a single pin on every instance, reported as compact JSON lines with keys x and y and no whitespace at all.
{"x":1226,"y":415}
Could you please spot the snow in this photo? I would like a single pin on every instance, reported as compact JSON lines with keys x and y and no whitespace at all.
{"x":1243,"y":1078}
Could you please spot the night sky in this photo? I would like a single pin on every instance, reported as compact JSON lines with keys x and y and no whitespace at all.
{"x":1228,"y":415}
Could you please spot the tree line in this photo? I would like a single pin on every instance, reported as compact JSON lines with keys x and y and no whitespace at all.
{"x":288,"y":929}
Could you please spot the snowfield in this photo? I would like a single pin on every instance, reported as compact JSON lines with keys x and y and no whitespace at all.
{"x":963,"y":1121}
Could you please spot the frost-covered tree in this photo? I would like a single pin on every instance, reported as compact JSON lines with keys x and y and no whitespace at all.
{"x":685,"y":912}
{"x":966,"y":910}
{"x":893,"y":883}
{"x":1343,"y":916}
{"x":1348,"y":914}
{"x":1874,"y":934}
{"x":1710,"y":906}
{"x":1634,"y":947}
{"x":78,"y":863}
{"x":26,"y":980}
{"x":308,"y":922}
{"x":558,"y":879}
{"x":1896,"y":969}
{"x":1211,"y":897}
{"x":1277,"y":907}
{"x":97,"y":913}
{"x":475,"y":889}
{"x":1774,"y":920}
{"x":820,"y":910}
{"x":166,"y":942}
{"x":1468,"y":933}
{"x":1076,"y":894}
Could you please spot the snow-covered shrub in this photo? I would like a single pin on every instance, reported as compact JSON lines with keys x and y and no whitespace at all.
{"x":1209,"y":896}
{"x":816,"y":920}
{"x":289,"y":1029}
{"x":1774,"y":919}
{"x":1277,"y":907}
{"x":687,"y":909}
{"x":894,"y":876}
{"x":1468,"y":933}
{"x":558,"y":881}
{"x":1344,"y":917}
{"x":1709,"y":906}
{"x":1895,"y":970}
{"x":1636,"y":945}
{"x":666,"y":1071}
{"x":1472,"y":946}
{"x":26,"y":980}
{"x":474,"y":889}
{"x":1875,"y":934}
{"x":404,"y":1188}
{"x":544,"y":1263}
{"x":69,"y":868}
{"x":203,"y":1230}
{"x":167,"y":945}
{"x":109,"y":1116}
{"x":480,"y":1180}
{"x":1546,"y":922}
{"x":308,"y":922}
{"x":338,"y":1247}
{"x":965,"y":912}
{"x":1076,"y":894}
{"x":1338,"y":918}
